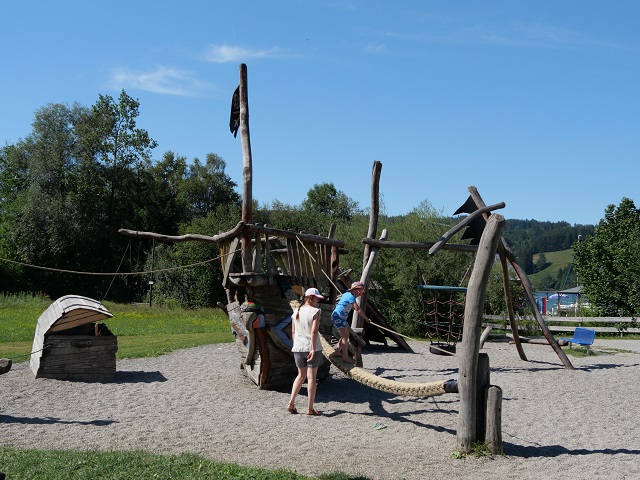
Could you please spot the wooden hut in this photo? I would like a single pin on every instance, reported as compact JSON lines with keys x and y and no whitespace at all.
{"x":70,"y":343}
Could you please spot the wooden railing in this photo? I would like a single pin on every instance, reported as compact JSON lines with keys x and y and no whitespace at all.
{"x":621,"y":325}
{"x":307,"y":260}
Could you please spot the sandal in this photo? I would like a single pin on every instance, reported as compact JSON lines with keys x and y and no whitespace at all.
{"x":313,"y":412}
{"x":291,"y":408}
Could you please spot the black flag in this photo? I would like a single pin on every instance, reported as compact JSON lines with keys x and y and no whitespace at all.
{"x":474,"y":230}
{"x":234,"y":120}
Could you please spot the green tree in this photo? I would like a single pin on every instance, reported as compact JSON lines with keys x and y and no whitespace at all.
{"x":207,"y":186}
{"x":608,"y":263}
{"x":325,"y":199}
{"x":541,"y":262}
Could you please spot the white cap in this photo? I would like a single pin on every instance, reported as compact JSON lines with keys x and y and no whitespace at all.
{"x":313,"y":292}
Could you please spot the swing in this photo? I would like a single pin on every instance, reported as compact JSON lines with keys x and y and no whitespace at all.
{"x":443,"y":314}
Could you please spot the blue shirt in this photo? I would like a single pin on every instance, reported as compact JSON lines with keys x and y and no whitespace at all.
{"x":345,"y":305}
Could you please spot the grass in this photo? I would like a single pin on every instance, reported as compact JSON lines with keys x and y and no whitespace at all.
{"x":142,"y":332}
{"x":556,"y":260}
{"x":63,"y":465}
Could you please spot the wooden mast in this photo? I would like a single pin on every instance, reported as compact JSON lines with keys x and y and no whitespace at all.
{"x":247,"y":169}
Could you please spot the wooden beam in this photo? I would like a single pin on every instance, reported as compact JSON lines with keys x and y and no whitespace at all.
{"x":466,"y":221}
{"x":190,"y":237}
{"x":418,"y":245}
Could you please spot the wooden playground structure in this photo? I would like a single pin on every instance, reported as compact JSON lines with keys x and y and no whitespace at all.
{"x":265,"y":270}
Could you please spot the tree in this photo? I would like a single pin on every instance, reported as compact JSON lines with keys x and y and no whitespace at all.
{"x":207,"y":186}
{"x":541,"y":262}
{"x":325,"y":199}
{"x":608,"y":263}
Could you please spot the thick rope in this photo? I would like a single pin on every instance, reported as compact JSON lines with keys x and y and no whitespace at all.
{"x":384,"y":384}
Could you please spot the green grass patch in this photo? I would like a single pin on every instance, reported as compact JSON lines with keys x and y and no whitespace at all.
{"x":556,"y":261}
{"x":136,"y":465}
{"x":142,"y":331}
{"x":579,"y":351}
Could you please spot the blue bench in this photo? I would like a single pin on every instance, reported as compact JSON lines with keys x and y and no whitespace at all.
{"x":582,"y":336}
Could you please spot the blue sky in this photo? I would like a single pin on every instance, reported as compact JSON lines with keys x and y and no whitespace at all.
{"x":536,"y":103}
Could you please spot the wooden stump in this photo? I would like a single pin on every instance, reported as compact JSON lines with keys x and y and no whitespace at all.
{"x":493,"y":437}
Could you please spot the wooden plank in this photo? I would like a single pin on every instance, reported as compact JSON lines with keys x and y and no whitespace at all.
{"x":257,"y":254}
{"x":290,"y":262}
{"x":228,"y":261}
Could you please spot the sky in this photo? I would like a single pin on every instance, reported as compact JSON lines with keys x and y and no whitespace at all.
{"x":535,"y":103}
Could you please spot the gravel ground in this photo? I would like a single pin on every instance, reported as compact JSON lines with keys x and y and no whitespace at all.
{"x":556,"y":423}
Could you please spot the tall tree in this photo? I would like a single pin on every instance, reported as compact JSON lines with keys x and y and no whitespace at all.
{"x":109,"y":134}
{"x":608,"y":263}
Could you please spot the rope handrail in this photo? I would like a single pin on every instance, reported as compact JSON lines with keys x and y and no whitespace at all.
{"x":109,"y":274}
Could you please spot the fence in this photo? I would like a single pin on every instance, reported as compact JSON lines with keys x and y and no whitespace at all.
{"x":621,"y":325}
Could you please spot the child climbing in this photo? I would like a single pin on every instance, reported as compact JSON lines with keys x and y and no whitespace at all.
{"x":339,"y":317}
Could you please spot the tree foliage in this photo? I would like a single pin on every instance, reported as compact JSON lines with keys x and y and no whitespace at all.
{"x":608,"y":263}
{"x":325,"y":199}
{"x":79,"y":176}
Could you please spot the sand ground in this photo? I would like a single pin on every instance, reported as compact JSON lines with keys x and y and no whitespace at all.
{"x":556,"y":423}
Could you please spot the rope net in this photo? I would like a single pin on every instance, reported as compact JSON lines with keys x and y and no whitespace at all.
{"x":442,"y":314}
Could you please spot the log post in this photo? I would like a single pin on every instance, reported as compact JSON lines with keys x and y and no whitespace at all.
{"x":247,"y":169}
{"x":474,"y":305}
{"x":493,"y":438}
{"x":484,"y":381}
{"x":356,"y":321}
{"x":509,"y":302}
{"x":374,"y":210}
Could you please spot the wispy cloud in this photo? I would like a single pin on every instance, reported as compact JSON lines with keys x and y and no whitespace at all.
{"x":375,"y":47}
{"x":515,"y":34}
{"x":162,"y":79}
{"x":536,"y":35}
{"x":230,"y":53}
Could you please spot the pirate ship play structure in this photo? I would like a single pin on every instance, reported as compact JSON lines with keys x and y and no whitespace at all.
{"x":265,"y":270}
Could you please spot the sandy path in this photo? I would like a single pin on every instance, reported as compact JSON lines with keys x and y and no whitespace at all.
{"x":556,"y":423}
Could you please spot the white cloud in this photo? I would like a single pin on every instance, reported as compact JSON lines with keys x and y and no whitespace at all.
{"x":165,"y":80}
{"x":229,"y":53}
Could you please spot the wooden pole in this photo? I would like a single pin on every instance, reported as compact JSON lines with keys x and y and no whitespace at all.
{"x":419,"y":245}
{"x":466,"y":221}
{"x":247,"y":169}
{"x":493,"y":437}
{"x":509,"y":302}
{"x":356,"y":321}
{"x":484,"y":381}
{"x":474,"y":305}
{"x":374,"y":210}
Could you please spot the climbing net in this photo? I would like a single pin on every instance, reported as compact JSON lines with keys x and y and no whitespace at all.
{"x":443,"y":315}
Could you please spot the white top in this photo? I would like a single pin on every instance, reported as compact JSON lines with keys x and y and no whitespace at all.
{"x":302,"y":335}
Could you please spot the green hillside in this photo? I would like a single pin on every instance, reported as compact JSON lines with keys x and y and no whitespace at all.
{"x":557,"y":263}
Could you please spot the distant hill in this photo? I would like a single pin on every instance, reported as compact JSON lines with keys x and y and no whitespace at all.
{"x":558,"y":272}
{"x":530,"y":238}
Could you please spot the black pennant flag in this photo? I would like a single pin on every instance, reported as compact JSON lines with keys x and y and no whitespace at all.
{"x":474,"y":230}
{"x":234,"y":120}
{"x":469,"y":206}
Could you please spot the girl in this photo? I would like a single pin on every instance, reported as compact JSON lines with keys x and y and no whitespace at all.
{"x":339,"y":318}
{"x":307,"y":349}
